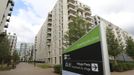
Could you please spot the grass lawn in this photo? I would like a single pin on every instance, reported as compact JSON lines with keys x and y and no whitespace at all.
{"x":4,"y":67}
{"x":44,"y":66}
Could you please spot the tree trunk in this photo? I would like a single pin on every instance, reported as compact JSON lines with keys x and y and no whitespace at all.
{"x":115,"y":61}
{"x":2,"y":63}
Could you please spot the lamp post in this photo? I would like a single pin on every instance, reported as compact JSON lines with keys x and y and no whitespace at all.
{"x":35,"y":58}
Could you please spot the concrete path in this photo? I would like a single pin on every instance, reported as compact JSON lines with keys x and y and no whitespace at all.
{"x":131,"y":72}
{"x":28,"y":69}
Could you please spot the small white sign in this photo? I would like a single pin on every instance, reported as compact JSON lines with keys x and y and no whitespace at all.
{"x":94,"y":67}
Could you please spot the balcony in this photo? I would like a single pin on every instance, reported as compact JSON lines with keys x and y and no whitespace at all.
{"x":70,"y":20}
{"x":80,"y":8}
{"x":49,"y":22}
{"x":9,"y":14}
{"x":6,"y":26}
{"x":12,"y":3}
{"x":2,"y":34}
{"x":11,"y":9}
{"x":8,"y":20}
{"x":71,"y":10}
{"x":49,"y":37}
{"x":48,"y":43}
{"x":49,"y":27}
{"x":70,"y":4}
{"x":87,"y":13}
{"x":71,"y":1}
{"x":71,"y":15}
{"x":50,"y":15}
{"x":87,"y":8}
{"x":49,"y":18}
{"x":48,"y":40}
{"x":88,"y":18}
{"x":49,"y":32}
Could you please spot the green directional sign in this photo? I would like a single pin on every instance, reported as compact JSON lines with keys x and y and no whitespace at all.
{"x":84,"y":56}
{"x":92,"y":37}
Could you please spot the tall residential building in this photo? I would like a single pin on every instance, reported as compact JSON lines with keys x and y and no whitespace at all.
{"x":12,"y":40}
{"x":49,"y":40}
{"x":25,"y":51}
{"x":6,"y":8}
{"x":119,"y":33}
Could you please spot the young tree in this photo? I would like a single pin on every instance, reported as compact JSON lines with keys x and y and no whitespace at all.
{"x":122,"y":49}
{"x":77,"y":29}
{"x":113,"y":45}
{"x":15,"y":57}
{"x":130,"y":47}
{"x":4,"y":50}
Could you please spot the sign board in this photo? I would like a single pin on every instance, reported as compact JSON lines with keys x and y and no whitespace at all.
{"x":85,"y":55}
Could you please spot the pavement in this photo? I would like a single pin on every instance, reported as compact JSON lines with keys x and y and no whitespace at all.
{"x":28,"y":69}
{"x":131,"y":72}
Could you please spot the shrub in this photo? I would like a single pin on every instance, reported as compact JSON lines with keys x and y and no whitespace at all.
{"x":57,"y":69}
{"x":44,"y":66}
{"x":123,"y":66}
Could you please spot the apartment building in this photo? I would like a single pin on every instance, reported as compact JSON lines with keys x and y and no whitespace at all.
{"x":6,"y":8}
{"x":40,"y":52}
{"x":25,"y":51}
{"x":12,"y":41}
{"x":49,"y":40}
{"x":119,"y":33}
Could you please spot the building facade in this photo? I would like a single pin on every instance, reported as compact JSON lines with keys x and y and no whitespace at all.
{"x":6,"y":8}
{"x":119,"y":33}
{"x":12,"y":41}
{"x":26,"y":50}
{"x":49,"y":40}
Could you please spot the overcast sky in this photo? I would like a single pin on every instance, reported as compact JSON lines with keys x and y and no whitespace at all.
{"x":29,"y":15}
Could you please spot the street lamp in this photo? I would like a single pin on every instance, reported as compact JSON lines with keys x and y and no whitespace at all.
{"x":35,"y":58}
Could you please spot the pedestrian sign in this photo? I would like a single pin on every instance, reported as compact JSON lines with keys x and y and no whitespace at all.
{"x":85,"y":56}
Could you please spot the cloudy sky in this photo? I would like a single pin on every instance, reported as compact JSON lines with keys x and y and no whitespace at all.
{"x":29,"y":15}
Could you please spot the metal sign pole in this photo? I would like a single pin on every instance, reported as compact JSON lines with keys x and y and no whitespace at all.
{"x":105,"y":55}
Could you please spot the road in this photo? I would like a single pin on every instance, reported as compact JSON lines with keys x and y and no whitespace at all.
{"x":28,"y":69}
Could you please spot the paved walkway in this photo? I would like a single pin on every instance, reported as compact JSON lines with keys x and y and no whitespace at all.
{"x":28,"y":69}
{"x":131,"y":72}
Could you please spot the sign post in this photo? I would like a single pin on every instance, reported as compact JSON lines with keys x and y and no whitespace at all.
{"x":87,"y":56}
